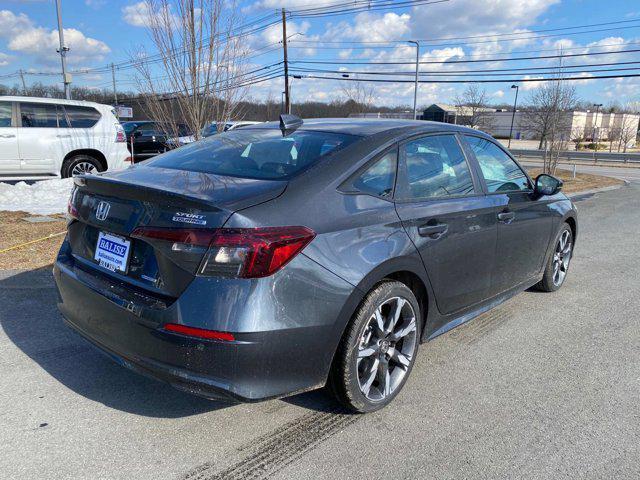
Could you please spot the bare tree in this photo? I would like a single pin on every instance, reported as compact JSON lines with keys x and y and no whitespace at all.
{"x":473,"y":108}
{"x":628,"y":128}
{"x":359,"y":96}
{"x":197,"y":74}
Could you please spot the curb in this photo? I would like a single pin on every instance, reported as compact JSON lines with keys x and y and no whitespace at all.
{"x":597,"y":190}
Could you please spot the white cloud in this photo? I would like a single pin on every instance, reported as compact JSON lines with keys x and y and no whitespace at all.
{"x":471,"y":17}
{"x":136,"y":14}
{"x":24,"y":36}
{"x":370,"y":27}
{"x":4,"y":59}
{"x":498,"y":94}
{"x":95,"y":3}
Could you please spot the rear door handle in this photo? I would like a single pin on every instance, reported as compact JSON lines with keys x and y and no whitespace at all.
{"x":506,"y":217}
{"x":433,"y":231}
{"x":63,"y":136}
{"x":7,"y":135}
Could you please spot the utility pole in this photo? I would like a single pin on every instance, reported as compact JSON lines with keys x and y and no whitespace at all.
{"x":24,"y":85}
{"x":66,"y":78}
{"x":415,"y":89}
{"x":513,"y":115}
{"x":113,"y":78}
{"x":287,"y":100}
{"x":595,"y":140}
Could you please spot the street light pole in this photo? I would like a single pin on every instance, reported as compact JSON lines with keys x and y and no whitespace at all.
{"x":66,"y":78}
{"x":595,"y":140}
{"x":415,"y":89}
{"x":513,"y":114}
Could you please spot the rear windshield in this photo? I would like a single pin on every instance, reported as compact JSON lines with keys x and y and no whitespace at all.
{"x":254,"y":153}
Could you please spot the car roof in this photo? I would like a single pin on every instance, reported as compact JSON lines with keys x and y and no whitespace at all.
{"x":371,"y":126}
{"x":61,"y":101}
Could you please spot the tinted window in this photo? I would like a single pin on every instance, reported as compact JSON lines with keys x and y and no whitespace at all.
{"x":500,"y":172}
{"x":5,"y":114}
{"x":38,"y":115}
{"x":378,"y":178}
{"x":82,"y":117}
{"x":436,"y":167}
{"x":254,"y":153}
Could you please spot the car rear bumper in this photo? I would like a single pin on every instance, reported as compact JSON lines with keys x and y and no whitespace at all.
{"x":255,"y":366}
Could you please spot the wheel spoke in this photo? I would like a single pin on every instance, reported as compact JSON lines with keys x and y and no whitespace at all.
{"x":379,"y":320}
{"x":395,"y":315}
{"x":372,"y":373}
{"x":366,"y":352}
{"x":385,"y":379}
{"x":406,"y":330}
{"x":401,"y":359}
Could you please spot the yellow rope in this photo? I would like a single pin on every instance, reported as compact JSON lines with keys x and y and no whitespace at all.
{"x":33,"y":241}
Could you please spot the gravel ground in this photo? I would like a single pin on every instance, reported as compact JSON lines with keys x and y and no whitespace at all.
{"x":544,"y":386}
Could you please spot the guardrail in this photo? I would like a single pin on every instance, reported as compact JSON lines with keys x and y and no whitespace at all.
{"x":599,"y":156}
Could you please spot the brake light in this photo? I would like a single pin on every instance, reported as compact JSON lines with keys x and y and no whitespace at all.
{"x":236,"y":252}
{"x":199,"y":332}
{"x":121,"y":137}
{"x":72,"y":211}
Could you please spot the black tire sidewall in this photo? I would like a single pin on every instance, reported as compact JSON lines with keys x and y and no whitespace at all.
{"x":69,"y":163}
{"x":355,"y":398}
{"x":546,"y":284}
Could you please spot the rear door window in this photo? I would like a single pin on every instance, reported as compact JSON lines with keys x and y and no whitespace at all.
{"x":82,"y":117}
{"x":5,"y":114}
{"x":39,"y":115}
{"x":435,"y":166}
{"x":255,"y":153}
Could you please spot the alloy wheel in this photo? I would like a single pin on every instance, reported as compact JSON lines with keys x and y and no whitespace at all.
{"x":386,"y":349}
{"x":561,"y":258}
{"x":83,"y":167}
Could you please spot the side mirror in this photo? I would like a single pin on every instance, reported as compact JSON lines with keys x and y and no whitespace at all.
{"x":547,"y":185}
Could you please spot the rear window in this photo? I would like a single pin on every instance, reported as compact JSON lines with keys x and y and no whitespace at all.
{"x":82,"y":117}
{"x":40,"y":115}
{"x":254,"y":153}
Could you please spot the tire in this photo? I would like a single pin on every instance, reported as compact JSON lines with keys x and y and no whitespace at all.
{"x":79,"y":164}
{"x":552,"y":280}
{"x":387,"y":355}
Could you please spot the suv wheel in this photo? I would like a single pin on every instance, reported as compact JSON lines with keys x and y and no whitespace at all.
{"x":378,"y":349}
{"x":80,"y":164}
{"x":558,"y":264}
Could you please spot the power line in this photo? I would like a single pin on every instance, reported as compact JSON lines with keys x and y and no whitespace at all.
{"x":510,"y":80}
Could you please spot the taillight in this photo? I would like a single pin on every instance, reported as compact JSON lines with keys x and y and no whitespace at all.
{"x":121,"y":137}
{"x":235,"y":252}
{"x":72,"y":211}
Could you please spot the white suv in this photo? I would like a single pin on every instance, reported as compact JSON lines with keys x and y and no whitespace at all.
{"x":51,"y":137}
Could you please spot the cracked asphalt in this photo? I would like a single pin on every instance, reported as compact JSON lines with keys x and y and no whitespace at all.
{"x":544,"y":386}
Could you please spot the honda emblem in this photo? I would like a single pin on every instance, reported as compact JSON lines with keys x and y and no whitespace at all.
{"x":102,"y":211}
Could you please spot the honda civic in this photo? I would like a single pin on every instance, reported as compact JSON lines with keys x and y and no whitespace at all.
{"x":287,"y":256}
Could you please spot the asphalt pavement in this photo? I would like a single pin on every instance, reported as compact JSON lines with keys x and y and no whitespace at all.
{"x":544,"y":386}
{"x":630,"y":174}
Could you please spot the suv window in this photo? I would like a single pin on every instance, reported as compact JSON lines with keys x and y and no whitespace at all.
{"x":81,"y":117}
{"x":254,"y":153}
{"x":378,"y":179}
{"x":5,"y":114}
{"x":500,"y":172}
{"x":39,"y":115}
{"x":436,"y":167}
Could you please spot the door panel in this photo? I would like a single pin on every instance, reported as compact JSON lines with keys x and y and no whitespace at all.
{"x":39,"y":138}
{"x":524,"y":222}
{"x":9,"y":154}
{"x":452,"y":224}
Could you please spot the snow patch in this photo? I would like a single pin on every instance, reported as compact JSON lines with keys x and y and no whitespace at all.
{"x":40,"y":198}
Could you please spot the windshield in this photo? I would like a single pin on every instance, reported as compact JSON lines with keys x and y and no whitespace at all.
{"x":254,"y":153}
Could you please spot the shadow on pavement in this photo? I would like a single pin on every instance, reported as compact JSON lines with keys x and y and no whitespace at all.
{"x":30,"y":319}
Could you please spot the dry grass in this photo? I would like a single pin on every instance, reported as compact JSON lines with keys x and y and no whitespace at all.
{"x":581,"y":183}
{"x":15,"y":231}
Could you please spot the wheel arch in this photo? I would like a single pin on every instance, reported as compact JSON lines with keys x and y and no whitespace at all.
{"x":91,"y":152}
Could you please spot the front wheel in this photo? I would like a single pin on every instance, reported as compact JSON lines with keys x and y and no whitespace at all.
{"x":378,"y":349}
{"x":80,"y":164}
{"x":558,"y":264}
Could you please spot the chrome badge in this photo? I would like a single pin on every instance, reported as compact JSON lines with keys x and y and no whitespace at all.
{"x":102,"y":211}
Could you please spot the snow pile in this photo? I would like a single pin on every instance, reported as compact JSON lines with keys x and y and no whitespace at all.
{"x":41,"y":198}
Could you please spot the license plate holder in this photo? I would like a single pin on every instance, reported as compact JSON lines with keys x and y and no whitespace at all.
{"x":112,"y":252}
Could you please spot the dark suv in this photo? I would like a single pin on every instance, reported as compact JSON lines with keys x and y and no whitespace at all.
{"x":278,"y":258}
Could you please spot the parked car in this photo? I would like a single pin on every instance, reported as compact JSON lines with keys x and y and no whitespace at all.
{"x":214,"y":127}
{"x":149,"y":138}
{"x":52,"y":137}
{"x":275,"y":259}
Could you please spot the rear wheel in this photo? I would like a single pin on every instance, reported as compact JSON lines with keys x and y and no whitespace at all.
{"x":378,"y":349}
{"x":80,"y":164}
{"x":558,"y":264}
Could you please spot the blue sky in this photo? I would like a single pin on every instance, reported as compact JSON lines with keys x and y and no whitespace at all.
{"x":100,"y":32}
